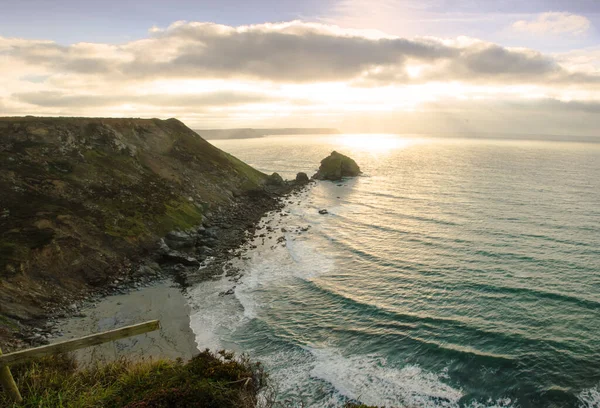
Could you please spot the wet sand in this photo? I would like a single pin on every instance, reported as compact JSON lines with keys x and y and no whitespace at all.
{"x":163,"y":301}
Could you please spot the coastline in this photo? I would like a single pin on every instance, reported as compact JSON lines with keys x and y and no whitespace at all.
{"x":101,"y":206}
{"x":158,"y":290}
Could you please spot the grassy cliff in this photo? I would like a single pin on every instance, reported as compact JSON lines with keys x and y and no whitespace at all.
{"x":82,"y":198}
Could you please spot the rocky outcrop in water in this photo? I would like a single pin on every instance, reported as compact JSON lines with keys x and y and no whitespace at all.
{"x":302,"y":178}
{"x":275,"y":180}
{"x":336,"y":166}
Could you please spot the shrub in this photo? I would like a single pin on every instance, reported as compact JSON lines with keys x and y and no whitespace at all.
{"x":219,"y":380}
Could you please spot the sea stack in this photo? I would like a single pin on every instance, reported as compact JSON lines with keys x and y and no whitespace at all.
{"x":302,"y":178}
{"x":336,"y":166}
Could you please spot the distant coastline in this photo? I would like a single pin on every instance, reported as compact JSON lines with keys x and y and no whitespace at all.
{"x":249,"y":133}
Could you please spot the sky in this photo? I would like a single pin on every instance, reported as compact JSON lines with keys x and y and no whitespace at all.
{"x":401,"y":66}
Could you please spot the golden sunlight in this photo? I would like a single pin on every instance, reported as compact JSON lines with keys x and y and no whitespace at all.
{"x":375,"y":143}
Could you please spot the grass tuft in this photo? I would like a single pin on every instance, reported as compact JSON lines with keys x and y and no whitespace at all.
{"x":219,"y":380}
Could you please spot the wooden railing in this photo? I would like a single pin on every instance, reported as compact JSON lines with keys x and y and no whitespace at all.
{"x":6,"y":378}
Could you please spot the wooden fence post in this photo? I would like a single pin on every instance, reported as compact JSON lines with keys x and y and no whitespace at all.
{"x":8,"y":383}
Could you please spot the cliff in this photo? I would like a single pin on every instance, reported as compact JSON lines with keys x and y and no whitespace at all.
{"x":83,"y":198}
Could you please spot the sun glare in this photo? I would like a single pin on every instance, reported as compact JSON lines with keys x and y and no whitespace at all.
{"x":375,"y":142}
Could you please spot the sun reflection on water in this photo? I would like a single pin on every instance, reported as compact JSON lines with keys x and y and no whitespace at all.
{"x":375,"y":143}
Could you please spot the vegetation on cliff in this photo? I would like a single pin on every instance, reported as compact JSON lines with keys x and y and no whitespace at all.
{"x":208,"y":380}
{"x":217,"y":380}
{"x":83,"y":198}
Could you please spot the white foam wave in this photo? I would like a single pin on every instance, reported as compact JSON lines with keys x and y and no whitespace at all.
{"x":323,"y":377}
{"x":213,"y":317}
{"x":590,"y":398}
{"x":490,"y":403}
{"x":372,"y":381}
{"x":271,"y":264}
{"x":268,"y":265}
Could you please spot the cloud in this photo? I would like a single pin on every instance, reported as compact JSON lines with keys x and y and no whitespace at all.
{"x":554,"y":23}
{"x":63,"y":100}
{"x":290,"y":52}
{"x":290,"y":73}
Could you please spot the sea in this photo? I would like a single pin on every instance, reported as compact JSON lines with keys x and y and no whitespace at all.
{"x":455,"y":272}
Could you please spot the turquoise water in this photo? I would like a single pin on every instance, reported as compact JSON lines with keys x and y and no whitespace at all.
{"x":453,"y":273}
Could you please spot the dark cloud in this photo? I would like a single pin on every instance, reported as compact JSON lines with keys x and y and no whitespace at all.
{"x":295,"y":52}
{"x":304,"y":54}
{"x":492,"y":60}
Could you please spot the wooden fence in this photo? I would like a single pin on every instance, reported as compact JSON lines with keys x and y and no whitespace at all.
{"x":6,"y":378}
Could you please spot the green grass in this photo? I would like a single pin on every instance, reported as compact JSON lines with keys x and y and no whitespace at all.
{"x":208,"y":380}
{"x":180,"y":214}
{"x":255,"y":178}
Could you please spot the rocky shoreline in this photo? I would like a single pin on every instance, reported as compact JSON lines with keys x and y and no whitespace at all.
{"x":184,"y":257}
{"x":98,"y":207}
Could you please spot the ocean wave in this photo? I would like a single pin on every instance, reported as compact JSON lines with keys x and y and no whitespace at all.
{"x":536,"y":293}
{"x":371,"y":380}
{"x":589,"y":398}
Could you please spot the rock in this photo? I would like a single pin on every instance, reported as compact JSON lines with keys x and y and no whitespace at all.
{"x":275,"y":180}
{"x":150,"y":269}
{"x":211,"y":232}
{"x":228,"y":292}
{"x":302,"y":178}
{"x":179,"y":258}
{"x":179,"y":268}
{"x":204,"y":250}
{"x":323,"y":212}
{"x":336,"y":166}
{"x":163,"y":248}
{"x":210,"y":242}
{"x":180,"y":239}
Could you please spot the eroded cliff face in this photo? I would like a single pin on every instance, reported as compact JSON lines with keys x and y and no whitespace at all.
{"x":81,"y":198}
